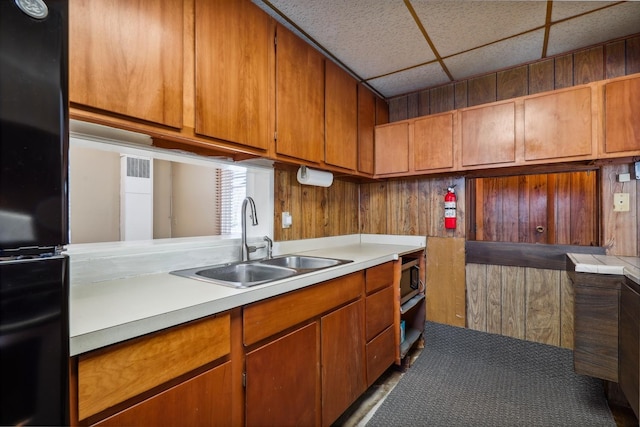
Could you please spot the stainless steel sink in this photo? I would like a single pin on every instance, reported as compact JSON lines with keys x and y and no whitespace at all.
{"x":300,"y":262}
{"x":251,"y":273}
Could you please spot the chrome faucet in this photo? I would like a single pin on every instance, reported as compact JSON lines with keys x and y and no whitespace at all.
{"x":269,"y":247}
{"x":246,"y":249}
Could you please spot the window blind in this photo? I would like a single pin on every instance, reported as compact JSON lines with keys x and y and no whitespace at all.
{"x":231,"y":185}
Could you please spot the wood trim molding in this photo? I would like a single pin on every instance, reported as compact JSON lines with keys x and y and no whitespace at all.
{"x":534,"y":255}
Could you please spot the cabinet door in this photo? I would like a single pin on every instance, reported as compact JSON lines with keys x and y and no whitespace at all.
{"x":283,"y":381}
{"x":235,"y":57}
{"x":622,"y":109}
{"x":299,"y":98}
{"x":488,"y":135}
{"x":341,"y":118}
{"x":392,"y":148}
{"x":630,"y":347}
{"x":366,"y":125}
{"x":381,"y":352}
{"x":343,"y":360}
{"x":201,"y":401}
{"x":558,"y":125}
{"x":433,"y":142}
{"x":126,"y":58}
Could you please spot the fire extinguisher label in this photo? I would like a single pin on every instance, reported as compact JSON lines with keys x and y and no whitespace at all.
{"x":450,"y":213}
{"x":449,"y":205}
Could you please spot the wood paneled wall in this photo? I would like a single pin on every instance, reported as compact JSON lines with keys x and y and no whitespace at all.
{"x":609,"y":60}
{"x":620,"y":230}
{"x":316,"y":211}
{"x":527,"y":303}
{"x":410,"y":206}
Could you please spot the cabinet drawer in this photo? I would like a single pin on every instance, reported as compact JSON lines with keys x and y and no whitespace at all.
{"x":378,"y":312}
{"x":266,"y":318}
{"x":380,"y":354}
{"x":117,"y":373}
{"x":379,"y":276}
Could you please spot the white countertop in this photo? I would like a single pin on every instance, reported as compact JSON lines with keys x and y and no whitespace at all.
{"x":607,"y":264}
{"x":110,"y":311}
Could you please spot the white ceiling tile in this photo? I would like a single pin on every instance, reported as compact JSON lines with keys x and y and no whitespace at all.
{"x":518,"y":50}
{"x":410,"y":80}
{"x":372,"y":37}
{"x":597,"y":27}
{"x":567,"y":9}
{"x":456,"y":26}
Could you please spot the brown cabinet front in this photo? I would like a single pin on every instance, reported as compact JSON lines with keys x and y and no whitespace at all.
{"x":488,"y":135}
{"x":392,"y":148}
{"x":341,"y":118}
{"x":622,"y":109}
{"x":299,"y":98}
{"x":127,"y":58}
{"x":283,"y":380}
{"x":343,"y":360}
{"x":234,"y":69}
{"x":433,"y":143}
{"x":630,"y":346}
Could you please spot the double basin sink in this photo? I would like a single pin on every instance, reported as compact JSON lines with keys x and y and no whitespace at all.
{"x":251,"y":273}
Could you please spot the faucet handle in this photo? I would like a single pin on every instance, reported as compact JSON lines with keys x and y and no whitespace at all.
{"x":269,"y":247}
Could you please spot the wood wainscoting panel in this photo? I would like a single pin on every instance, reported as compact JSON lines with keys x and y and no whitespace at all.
{"x":446,"y":280}
{"x":521,"y":302}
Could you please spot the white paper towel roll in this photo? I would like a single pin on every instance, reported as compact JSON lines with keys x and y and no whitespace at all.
{"x":315,"y":177}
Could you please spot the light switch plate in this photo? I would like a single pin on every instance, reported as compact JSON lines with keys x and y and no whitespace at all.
{"x":621,"y":202}
{"x":286,"y":220}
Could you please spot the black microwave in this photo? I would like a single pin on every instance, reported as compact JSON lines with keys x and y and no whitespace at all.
{"x":410,"y":280}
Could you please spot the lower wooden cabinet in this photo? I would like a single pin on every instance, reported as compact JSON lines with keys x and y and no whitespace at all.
{"x":629,"y":340}
{"x":201,"y":401}
{"x":173,"y":376}
{"x":283,"y":380}
{"x":343,"y":360}
{"x":595,"y":350}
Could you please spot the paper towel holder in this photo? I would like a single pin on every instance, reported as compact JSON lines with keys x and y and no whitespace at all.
{"x":308,"y":176}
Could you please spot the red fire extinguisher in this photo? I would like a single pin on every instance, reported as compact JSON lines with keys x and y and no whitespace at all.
{"x":450,"y":208}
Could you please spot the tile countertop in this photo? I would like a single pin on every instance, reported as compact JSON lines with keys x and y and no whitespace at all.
{"x":110,"y":311}
{"x":607,"y":264}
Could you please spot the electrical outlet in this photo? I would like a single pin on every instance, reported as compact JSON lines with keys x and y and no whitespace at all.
{"x":621,"y":202}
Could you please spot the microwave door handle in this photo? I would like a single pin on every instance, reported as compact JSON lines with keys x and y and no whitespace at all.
{"x":414,"y":277}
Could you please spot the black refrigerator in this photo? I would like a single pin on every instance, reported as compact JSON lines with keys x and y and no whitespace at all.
{"x":34,"y":330}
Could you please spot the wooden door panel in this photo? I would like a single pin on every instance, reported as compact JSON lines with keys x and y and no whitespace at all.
{"x":433,"y":142}
{"x":343,"y":360}
{"x":622,"y":127}
{"x":299,"y":98}
{"x":283,"y":387}
{"x":488,"y":135}
{"x":126,"y":58}
{"x":509,"y":209}
{"x":392,"y":148}
{"x":341,"y":118}
{"x":234,"y":72}
{"x":366,"y":124}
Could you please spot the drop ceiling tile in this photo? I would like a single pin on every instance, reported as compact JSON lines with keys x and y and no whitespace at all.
{"x":597,"y":27}
{"x":410,"y":80}
{"x":456,"y":26}
{"x":372,"y":37}
{"x":507,"y":53}
{"x":567,"y":9}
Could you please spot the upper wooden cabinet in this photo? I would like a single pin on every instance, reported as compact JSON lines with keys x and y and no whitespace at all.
{"x":622,"y":110}
{"x":366,"y":125}
{"x":559,"y":125}
{"x":433,"y":143}
{"x":299,"y":98}
{"x":392,"y":148}
{"x":488,"y":135}
{"x":234,"y":72}
{"x":127,"y":58}
{"x":341,"y":118}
